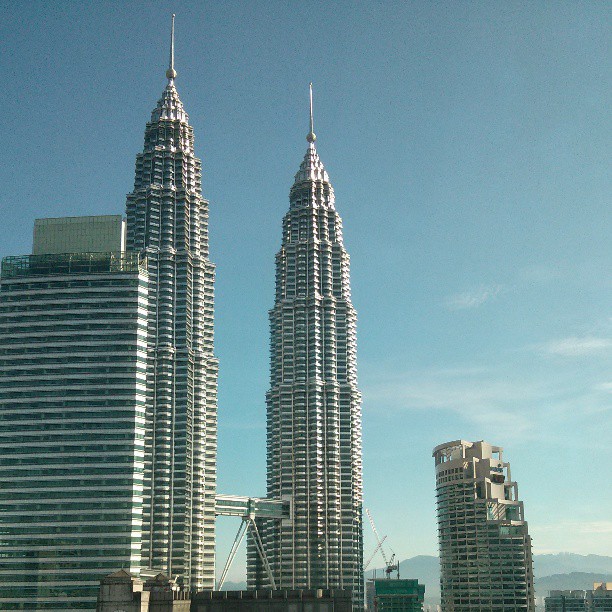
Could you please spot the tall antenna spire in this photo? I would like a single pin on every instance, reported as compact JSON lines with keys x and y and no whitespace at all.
{"x":171,"y":72}
{"x":311,"y":135}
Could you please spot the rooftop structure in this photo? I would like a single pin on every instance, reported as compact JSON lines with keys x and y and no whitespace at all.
{"x":16,"y":266}
{"x":103,"y":233}
{"x":122,"y":592}
{"x":485,"y":548}
{"x":313,"y":405}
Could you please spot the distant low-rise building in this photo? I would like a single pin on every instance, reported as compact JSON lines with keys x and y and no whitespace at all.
{"x":601,"y":597}
{"x":123,"y":592}
{"x":566,"y":601}
{"x":401,"y":595}
{"x":597,"y":600}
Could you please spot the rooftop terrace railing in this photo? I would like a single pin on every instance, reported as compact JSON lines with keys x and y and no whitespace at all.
{"x":15,"y":266}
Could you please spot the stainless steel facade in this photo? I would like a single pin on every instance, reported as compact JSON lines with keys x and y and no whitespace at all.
{"x":313,"y":405}
{"x":485,"y":548}
{"x":167,"y":218}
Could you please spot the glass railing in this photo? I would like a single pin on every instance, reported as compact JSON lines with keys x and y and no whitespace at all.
{"x":72,"y":263}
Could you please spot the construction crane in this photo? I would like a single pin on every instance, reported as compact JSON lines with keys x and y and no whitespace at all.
{"x":378,"y":546}
{"x":390,"y":564}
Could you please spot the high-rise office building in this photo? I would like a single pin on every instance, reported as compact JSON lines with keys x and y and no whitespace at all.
{"x":73,"y":356}
{"x":313,"y":405}
{"x":167,"y":218}
{"x":485,"y":548}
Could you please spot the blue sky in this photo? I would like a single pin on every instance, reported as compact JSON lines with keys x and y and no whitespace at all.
{"x":468,"y":145}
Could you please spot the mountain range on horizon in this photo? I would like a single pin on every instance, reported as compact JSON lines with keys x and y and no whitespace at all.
{"x":552,"y":571}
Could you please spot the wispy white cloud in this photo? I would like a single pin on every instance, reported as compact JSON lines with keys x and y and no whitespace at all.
{"x":571,"y":536}
{"x":478,"y":394}
{"x":596,"y":527}
{"x":474,"y":298}
{"x":575,"y":346}
{"x":490,"y":400}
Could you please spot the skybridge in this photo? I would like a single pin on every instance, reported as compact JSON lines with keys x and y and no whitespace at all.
{"x":250,"y":509}
{"x":255,"y":507}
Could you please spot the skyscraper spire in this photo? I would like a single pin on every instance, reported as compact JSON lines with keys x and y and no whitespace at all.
{"x":311,"y":167}
{"x":169,"y":105}
{"x":171,"y":72}
{"x":168,"y":218}
{"x":311,"y":135}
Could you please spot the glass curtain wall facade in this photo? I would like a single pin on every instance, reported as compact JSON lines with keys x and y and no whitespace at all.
{"x":167,"y":218}
{"x":485,"y":548}
{"x":395,"y":595}
{"x":313,"y":405}
{"x":599,"y":599}
{"x":72,"y":423}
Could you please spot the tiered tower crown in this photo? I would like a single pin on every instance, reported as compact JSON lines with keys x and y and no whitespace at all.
{"x":311,"y":168}
{"x":169,"y":105}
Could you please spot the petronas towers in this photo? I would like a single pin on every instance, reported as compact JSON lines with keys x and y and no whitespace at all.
{"x":167,"y":218}
{"x":313,"y":405}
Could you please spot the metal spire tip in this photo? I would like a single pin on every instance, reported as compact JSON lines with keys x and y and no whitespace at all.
{"x":311,"y":135}
{"x":171,"y":72}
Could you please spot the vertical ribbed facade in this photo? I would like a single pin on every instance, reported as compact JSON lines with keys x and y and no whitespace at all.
{"x":485,"y":548}
{"x":73,"y":357}
{"x":167,"y":218}
{"x":313,"y":405}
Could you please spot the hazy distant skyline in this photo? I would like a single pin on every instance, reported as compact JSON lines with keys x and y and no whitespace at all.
{"x":468,"y":146}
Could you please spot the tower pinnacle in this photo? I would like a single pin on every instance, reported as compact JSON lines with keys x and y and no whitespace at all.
{"x":311,"y":135}
{"x":171,"y":72}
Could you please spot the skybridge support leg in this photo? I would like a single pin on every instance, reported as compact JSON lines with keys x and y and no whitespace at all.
{"x":261,"y":551}
{"x":237,"y":541}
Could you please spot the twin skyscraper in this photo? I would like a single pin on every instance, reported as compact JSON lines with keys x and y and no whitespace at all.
{"x":108,"y":404}
{"x":314,"y":406}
